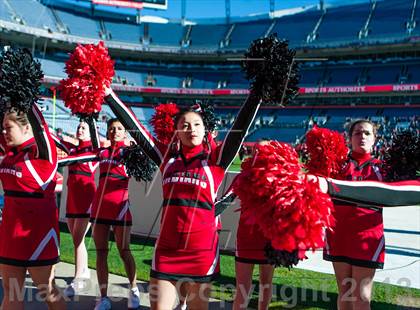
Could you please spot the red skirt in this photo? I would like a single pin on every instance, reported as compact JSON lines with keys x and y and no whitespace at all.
{"x":29,"y":233}
{"x":250,"y":244}
{"x":111,"y":208}
{"x":357,"y":237}
{"x":187,"y":256}
{"x":80,"y":194}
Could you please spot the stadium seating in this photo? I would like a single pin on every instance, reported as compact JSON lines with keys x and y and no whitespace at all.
{"x":79,"y":25}
{"x":166,"y":34}
{"x":390,"y":18}
{"x":34,"y":14}
{"x":296,"y":28}
{"x":351,"y":20}
{"x":243,"y":33}
{"x":207,"y":35}
{"x":124,"y":32}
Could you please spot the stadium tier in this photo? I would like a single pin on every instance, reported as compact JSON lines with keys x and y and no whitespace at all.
{"x":350,"y":79}
{"x":344,"y":73}
{"x":352,"y":24}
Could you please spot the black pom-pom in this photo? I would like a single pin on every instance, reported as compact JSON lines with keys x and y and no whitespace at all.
{"x":138,"y":164}
{"x":272,"y":70}
{"x":402,"y":159}
{"x":281,"y":258}
{"x":20,"y":80}
{"x":208,"y":115}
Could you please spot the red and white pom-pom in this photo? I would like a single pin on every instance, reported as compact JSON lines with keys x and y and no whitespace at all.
{"x":290,"y":210}
{"x":327,"y":152}
{"x":163,"y":122}
{"x":89,"y":69}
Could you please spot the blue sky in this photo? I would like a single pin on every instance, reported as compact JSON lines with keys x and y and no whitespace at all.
{"x":216,"y":8}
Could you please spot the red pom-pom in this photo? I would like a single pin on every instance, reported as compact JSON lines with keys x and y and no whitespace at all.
{"x":89,"y":70}
{"x":163,"y":121}
{"x":327,"y":152}
{"x":290,"y":210}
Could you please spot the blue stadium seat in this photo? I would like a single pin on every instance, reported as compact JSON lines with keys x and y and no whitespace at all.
{"x":34,"y":14}
{"x":166,"y":34}
{"x":310,"y":76}
{"x":344,"y":75}
{"x":390,"y":18}
{"x":343,"y":23}
{"x":207,"y":35}
{"x":383,"y":74}
{"x":244,"y":33}
{"x":78,"y":25}
{"x":5,"y":14}
{"x":125,"y":32}
{"x":133,"y":78}
{"x":296,"y":28}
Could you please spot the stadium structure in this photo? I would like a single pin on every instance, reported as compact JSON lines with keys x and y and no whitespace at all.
{"x":357,"y":61}
{"x":360,"y":60}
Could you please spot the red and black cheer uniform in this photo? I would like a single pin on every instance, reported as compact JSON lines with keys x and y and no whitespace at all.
{"x":110,"y":205}
{"x":81,"y":186}
{"x":250,"y":241}
{"x":357,"y":237}
{"x":187,"y":247}
{"x":29,"y":234}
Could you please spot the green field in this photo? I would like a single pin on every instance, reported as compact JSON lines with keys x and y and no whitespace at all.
{"x":294,"y":289}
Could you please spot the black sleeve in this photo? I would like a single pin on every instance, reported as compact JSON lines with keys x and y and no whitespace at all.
{"x":44,"y":141}
{"x":223,"y":203}
{"x":139,"y":133}
{"x":93,"y":130}
{"x":236,"y":135}
{"x":60,"y":144}
{"x":226,"y":200}
{"x":377,"y":194}
{"x":79,"y":158}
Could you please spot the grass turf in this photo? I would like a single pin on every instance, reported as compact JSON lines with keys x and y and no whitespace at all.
{"x":297,"y":288}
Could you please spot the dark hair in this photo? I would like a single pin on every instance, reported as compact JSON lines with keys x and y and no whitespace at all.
{"x":17,"y":116}
{"x":110,"y":122}
{"x":362,"y":121}
{"x":184,"y":111}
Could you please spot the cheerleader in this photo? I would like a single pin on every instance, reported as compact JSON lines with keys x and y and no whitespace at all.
{"x":250,"y":244}
{"x":110,"y":209}
{"x":356,"y":244}
{"x":81,"y":189}
{"x":391,"y":194}
{"x":186,"y":254}
{"x":29,"y":234}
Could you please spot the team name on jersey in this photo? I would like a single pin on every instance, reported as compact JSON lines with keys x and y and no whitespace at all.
{"x":111,"y":161}
{"x":187,"y":178}
{"x":15,"y":171}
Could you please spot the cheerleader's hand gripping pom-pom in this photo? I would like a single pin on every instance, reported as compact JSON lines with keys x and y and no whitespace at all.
{"x":326,"y":151}
{"x":270,"y":67}
{"x":163,"y":122}
{"x":20,"y":80}
{"x":90,"y":70}
{"x":289,"y":209}
{"x":137,"y":164}
{"x":402,"y":158}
